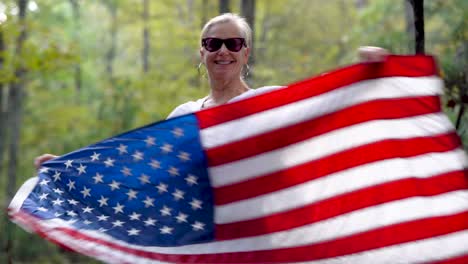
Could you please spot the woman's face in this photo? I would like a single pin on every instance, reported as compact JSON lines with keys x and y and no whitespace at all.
{"x":224,"y":64}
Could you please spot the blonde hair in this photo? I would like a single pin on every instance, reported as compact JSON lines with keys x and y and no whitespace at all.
{"x":244,"y":27}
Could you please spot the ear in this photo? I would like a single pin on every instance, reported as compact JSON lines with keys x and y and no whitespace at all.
{"x":202,"y":53}
{"x":246,"y":54}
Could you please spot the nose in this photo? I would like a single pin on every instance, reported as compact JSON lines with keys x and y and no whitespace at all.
{"x":223,"y":49}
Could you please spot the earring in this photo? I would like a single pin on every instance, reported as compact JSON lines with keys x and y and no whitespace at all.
{"x":200,"y":73}
{"x":247,"y":70}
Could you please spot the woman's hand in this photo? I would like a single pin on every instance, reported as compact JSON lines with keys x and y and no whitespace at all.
{"x":43,"y":158}
{"x":372,"y":54}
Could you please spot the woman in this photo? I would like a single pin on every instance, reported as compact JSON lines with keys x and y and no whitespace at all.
{"x":225,"y":48}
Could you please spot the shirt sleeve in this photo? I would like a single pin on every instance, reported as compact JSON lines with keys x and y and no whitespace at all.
{"x":185,"y":108}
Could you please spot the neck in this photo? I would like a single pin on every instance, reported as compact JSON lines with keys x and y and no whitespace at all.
{"x":222,"y":91}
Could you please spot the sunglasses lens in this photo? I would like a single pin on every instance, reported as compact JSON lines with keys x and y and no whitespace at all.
{"x":234,"y":44}
{"x":213,"y":44}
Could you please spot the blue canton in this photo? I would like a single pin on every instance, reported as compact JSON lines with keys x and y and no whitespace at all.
{"x":148,"y":187}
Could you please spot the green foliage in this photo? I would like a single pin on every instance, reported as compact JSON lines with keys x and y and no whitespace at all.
{"x":293,"y":40}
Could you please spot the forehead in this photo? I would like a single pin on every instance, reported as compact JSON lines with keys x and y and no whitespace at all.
{"x":224,"y":30}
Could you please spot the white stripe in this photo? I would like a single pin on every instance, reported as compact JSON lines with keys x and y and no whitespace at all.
{"x":341,"y":182}
{"x":421,"y":251}
{"x":326,"y":144}
{"x":383,"y":88}
{"x":22,"y":194}
{"x":337,"y":227}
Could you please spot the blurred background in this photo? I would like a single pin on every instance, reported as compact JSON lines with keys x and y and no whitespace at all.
{"x":73,"y":72}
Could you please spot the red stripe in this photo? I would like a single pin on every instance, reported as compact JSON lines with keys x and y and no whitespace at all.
{"x":455,"y":260}
{"x":394,"y":66}
{"x":379,"y":109}
{"x":344,"y":203}
{"x":387,"y":149}
{"x":408,"y":231}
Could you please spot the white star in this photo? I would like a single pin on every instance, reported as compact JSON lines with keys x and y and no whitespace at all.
{"x":56,"y":176}
{"x":43,"y":196}
{"x":126,"y":171}
{"x":191,"y":179}
{"x":57,"y":190}
{"x":196,"y":204}
{"x":133,"y":232}
{"x":57,"y":202}
{"x":137,"y":155}
{"x":197,"y":226}
{"x":118,"y":223}
{"x":44,"y":182}
{"x":42,"y":209}
{"x":85,"y":192}
{"x":98,"y":178}
{"x":114,"y":185}
{"x":102,"y":217}
{"x":57,"y":214}
{"x":178,"y":194}
{"x":95,"y":156}
{"x":150,"y":141}
{"x":87,"y":209}
{"x":68,"y":163}
{"x":103,"y":201}
{"x":162,"y":187}
{"x":148,"y":202}
{"x":166,"y":230}
{"x":44,"y":170}
{"x":71,"y":213}
{"x":132,"y":194}
{"x":173,"y":171}
{"x":71,"y":185}
{"x":81,"y":169}
{"x":102,"y":230}
{"x":166,"y":148}
{"x":122,"y":149}
{"x":155,"y":164}
{"x":177,"y":132}
{"x":109,"y":162}
{"x":72,"y":201}
{"x":181,"y":217}
{"x":165,"y":210}
{"x":87,"y":222}
{"x":184,"y":156}
{"x":144,"y":179}
{"x":150,"y":222}
{"x":72,"y":221}
{"x":118,"y":208}
{"x":135,"y":216}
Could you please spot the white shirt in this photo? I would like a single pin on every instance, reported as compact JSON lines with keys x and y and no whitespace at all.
{"x":193,"y":106}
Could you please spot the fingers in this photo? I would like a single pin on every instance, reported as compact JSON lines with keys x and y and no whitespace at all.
{"x":43,"y":158}
{"x":372,"y":54}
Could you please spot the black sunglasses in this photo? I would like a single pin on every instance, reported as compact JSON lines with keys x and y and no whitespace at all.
{"x":232,"y":44}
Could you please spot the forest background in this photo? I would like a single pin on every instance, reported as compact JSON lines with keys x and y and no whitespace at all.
{"x":75,"y":72}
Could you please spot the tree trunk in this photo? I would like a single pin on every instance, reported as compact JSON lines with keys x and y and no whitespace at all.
{"x":360,"y":4}
{"x":418,"y":11}
{"x":76,"y":38}
{"x":3,"y":116}
{"x":146,"y":40}
{"x":204,"y":16}
{"x":409,"y":15}
{"x":224,"y":6}
{"x":15,"y":105}
{"x":110,"y":56}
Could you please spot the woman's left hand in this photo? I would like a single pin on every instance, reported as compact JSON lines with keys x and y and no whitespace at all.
{"x":372,"y":54}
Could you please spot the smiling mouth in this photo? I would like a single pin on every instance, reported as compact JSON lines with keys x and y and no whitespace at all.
{"x":224,"y":62}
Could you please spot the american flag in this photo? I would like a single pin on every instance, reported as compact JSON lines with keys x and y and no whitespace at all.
{"x":358,"y":165}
